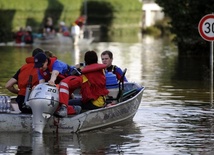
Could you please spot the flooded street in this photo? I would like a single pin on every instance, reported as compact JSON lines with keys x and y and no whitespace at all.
{"x":175,"y":116}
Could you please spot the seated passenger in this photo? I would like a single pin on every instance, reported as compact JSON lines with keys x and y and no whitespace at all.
{"x":19,"y":36}
{"x":48,"y":30}
{"x":92,"y":88}
{"x":28,"y":36}
{"x":107,"y":58}
{"x":21,"y":79}
{"x":63,"y":29}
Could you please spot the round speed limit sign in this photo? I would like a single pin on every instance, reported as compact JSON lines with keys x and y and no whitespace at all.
{"x":206,"y":27}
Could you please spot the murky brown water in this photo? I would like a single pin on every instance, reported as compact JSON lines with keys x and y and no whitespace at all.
{"x":174,"y":118}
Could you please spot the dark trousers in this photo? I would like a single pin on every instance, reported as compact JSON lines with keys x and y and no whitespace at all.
{"x":85,"y":106}
{"x":20,"y":100}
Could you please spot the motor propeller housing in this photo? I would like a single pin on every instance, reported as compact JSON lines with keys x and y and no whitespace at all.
{"x":43,"y":100}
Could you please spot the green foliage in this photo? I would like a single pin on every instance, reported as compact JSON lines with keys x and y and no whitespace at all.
{"x":185,"y":16}
{"x":116,"y":17}
{"x":160,"y":29}
{"x":108,"y":13}
{"x":152,"y":30}
{"x":20,"y":13}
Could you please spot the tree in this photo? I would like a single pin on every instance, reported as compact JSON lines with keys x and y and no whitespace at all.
{"x":185,"y":16}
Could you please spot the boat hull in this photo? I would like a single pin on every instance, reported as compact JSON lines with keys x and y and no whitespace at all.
{"x":60,"y":39}
{"x":89,"y":120}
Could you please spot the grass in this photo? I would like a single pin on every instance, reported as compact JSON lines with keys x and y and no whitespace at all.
{"x":20,"y":13}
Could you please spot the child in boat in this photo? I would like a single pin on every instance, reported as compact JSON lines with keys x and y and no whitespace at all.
{"x":92,"y":84}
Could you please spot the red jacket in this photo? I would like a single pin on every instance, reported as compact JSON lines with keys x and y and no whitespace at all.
{"x":96,"y":84}
{"x":19,"y":36}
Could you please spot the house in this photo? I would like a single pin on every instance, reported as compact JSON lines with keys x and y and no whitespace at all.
{"x":152,"y":12}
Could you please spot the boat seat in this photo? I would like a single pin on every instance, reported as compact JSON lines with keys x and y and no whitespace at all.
{"x":131,"y":93}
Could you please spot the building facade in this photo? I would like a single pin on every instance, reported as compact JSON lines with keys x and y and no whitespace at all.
{"x":152,"y":12}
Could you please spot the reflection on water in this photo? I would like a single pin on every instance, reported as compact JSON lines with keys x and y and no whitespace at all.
{"x":110,"y":140}
{"x":175,"y":116}
{"x":176,"y":129}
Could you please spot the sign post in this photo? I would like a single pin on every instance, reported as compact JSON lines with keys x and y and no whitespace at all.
{"x":206,"y":30}
{"x":211,"y":73}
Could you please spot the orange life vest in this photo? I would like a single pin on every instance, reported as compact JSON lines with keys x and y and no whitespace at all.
{"x":25,"y":71}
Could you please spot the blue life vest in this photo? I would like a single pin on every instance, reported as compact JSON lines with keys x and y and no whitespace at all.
{"x":111,"y":80}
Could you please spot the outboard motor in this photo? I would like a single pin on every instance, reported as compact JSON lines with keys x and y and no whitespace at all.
{"x":43,"y":100}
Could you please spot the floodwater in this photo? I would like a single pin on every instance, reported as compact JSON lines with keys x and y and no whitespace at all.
{"x":175,"y":116}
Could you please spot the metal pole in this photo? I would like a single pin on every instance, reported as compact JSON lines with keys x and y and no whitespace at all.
{"x":211,"y":74}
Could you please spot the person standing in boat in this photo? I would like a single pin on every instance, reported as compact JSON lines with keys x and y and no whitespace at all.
{"x":81,"y":21}
{"x":21,"y":78}
{"x":51,"y":69}
{"x":107,"y":58}
{"x":92,"y":84}
{"x":75,"y":33}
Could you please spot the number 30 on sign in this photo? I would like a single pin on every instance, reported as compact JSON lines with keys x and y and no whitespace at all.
{"x":206,"y":27}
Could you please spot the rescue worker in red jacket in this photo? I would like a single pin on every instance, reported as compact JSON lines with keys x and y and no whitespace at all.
{"x":92,"y":84}
{"x":21,"y":79}
{"x":50,"y":69}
